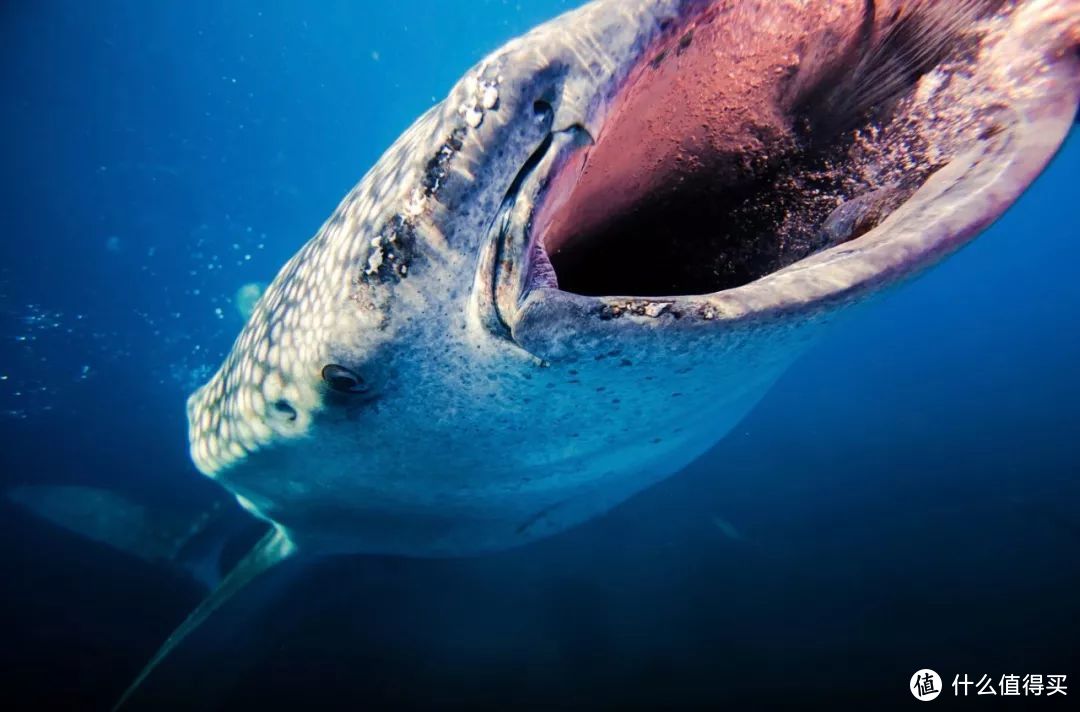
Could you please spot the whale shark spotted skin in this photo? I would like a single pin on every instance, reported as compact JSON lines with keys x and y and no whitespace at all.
{"x":572,"y":277}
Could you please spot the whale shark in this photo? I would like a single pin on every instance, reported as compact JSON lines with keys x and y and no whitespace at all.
{"x":578,"y":272}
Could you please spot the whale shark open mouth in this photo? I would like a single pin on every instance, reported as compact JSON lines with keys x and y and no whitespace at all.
{"x":733,"y":150}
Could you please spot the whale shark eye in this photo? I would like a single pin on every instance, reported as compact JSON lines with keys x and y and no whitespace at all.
{"x":343,"y":380}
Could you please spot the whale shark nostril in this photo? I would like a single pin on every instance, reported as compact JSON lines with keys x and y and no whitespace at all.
{"x":285,"y":410}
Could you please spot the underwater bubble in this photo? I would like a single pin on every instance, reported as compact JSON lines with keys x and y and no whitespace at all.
{"x":247,"y":297}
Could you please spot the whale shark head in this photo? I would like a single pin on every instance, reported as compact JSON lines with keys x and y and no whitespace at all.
{"x":574,"y":275}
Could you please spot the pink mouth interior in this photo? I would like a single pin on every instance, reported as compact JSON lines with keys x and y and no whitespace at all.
{"x":716,"y":167}
{"x":680,"y":122}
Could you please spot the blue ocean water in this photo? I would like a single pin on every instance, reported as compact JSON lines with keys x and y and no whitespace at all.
{"x":906,"y":497}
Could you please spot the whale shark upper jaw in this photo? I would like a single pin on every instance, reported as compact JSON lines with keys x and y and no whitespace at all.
{"x":738,"y":171}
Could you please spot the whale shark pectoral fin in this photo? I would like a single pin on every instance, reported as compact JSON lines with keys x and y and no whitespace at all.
{"x":100,"y":515}
{"x":271,"y":550}
{"x":191,"y":541}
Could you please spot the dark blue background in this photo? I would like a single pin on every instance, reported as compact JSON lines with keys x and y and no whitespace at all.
{"x":906,"y":497}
